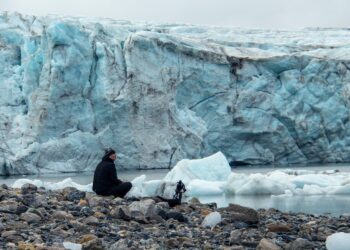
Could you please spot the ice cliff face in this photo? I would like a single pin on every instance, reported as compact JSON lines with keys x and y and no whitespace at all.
{"x":70,"y":87}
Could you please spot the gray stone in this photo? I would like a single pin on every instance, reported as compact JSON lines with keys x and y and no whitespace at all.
{"x":235,"y":236}
{"x":94,"y":244}
{"x":87,"y":211}
{"x":62,"y":215}
{"x":28,"y":188}
{"x":30,"y":217}
{"x":91,"y":220}
{"x":6,"y":234}
{"x":120,"y":245}
{"x":146,"y":207}
{"x":75,"y":195}
{"x":266,"y":244}
{"x":240,"y":213}
{"x":121,"y":212}
{"x":96,"y":201}
{"x":278,"y":227}
{"x":300,"y":243}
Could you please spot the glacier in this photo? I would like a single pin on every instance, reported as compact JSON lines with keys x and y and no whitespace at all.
{"x":159,"y":93}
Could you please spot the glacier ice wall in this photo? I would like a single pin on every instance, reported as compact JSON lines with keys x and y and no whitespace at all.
{"x":158,"y":93}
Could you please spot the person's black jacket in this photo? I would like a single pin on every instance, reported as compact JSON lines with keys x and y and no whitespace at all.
{"x":105,"y":177}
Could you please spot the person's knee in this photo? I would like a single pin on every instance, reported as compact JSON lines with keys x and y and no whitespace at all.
{"x":129,"y":185}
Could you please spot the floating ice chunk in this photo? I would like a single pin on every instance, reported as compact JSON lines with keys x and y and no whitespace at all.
{"x":201,"y":187}
{"x":211,"y":168}
{"x":338,"y":241}
{"x":143,"y":188}
{"x":68,"y":182}
{"x":212,"y":219}
{"x":255,"y":184}
{"x":340,"y":190}
{"x":136,"y":190}
{"x":72,"y":246}
{"x":150,"y":188}
{"x":321,"y":180}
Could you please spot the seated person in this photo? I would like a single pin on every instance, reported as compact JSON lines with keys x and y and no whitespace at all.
{"x":106,"y":181}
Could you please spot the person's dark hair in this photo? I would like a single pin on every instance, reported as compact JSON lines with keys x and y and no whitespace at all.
{"x":108,"y":153}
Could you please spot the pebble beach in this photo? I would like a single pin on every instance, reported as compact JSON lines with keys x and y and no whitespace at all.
{"x":36,"y":218}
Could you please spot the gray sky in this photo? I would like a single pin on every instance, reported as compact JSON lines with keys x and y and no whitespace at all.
{"x":236,"y":13}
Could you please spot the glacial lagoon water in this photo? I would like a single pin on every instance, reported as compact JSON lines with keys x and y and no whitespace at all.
{"x":334,"y":205}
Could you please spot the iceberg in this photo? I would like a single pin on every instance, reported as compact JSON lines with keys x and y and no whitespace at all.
{"x":211,"y":168}
{"x":159,"y":93}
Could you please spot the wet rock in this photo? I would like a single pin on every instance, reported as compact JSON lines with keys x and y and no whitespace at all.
{"x":21,"y":209}
{"x":186,"y":242}
{"x":30,"y":217}
{"x":95,"y":201}
{"x":235,"y":236}
{"x":6,"y":234}
{"x":11,"y":246}
{"x":121,"y":212}
{"x":278,"y":227}
{"x":118,"y":201}
{"x":91,"y":220}
{"x":99,"y":215}
{"x":86,"y":211}
{"x":9,"y":206}
{"x":249,"y":243}
{"x":123,"y":233}
{"x":177,"y":216}
{"x":172,"y":243}
{"x":26,"y":246}
{"x":83,"y":203}
{"x":33,"y":200}
{"x":86,"y":238}
{"x":240,"y":225}
{"x":11,"y":236}
{"x":266,"y":244}
{"x":28,"y":188}
{"x":120,"y":245}
{"x":75,"y":195}
{"x":300,"y":243}
{"x":62,"y":215}
{"x":77,"y":225}
{"x":95,"y":244}
{"x":240,"y":213}
{"x":146,"y":207}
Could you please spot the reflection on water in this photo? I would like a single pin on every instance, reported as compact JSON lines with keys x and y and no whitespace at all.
{"x":333,"y":204}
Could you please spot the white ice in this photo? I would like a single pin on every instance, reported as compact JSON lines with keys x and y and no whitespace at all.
{"x":212,"y":168}
{"x":68,"y":182}
{"x":212,"y":176}
{"x":212,"y":219}
{"x":338,"y":241}
{"x":71,"y":246}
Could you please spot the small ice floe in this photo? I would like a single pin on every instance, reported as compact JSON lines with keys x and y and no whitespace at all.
{"x":71,"y":246}
{"x":68,"y":182}
{"x":212,"y":219}
{"x":338,"y":241}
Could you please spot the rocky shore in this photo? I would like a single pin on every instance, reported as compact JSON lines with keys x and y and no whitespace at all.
{"x":35,"y":218}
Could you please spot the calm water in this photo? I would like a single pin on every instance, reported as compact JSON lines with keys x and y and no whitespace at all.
{"x":332,"y":204}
